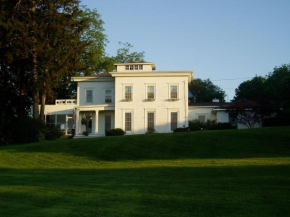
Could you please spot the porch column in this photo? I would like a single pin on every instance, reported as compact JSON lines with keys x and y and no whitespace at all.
{"x":77,"y":124}
{"x":97,"y":121}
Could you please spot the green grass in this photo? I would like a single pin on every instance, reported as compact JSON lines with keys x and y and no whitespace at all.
{"x":210,"y":173}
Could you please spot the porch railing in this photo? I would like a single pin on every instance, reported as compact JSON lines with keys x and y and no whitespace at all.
{"x":66,"y":102}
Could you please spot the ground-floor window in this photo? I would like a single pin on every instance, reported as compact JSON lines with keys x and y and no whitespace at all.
{"x":128,"y":121}
{"x":201,"y":118}
{"x":150,"y":121}
{"x":173,"y":120}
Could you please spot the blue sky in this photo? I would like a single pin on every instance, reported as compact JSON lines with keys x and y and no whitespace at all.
{"x":216,"y":39}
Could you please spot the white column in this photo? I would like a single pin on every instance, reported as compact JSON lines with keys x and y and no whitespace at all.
{"x":97,"y":121}
{"x":77,"y":121}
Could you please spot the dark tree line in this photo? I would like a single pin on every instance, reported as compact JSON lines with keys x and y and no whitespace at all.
{"x":43,"y":44}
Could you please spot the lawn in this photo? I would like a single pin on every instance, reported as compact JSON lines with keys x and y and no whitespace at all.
{"x":211,"y":173}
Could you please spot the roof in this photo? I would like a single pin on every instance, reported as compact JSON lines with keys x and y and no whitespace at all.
{"x":211,"y":104}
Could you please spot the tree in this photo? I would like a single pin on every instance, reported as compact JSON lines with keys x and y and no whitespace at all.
{"x":254,"y":89}
{"x":206,"y":91}
{"x":278,"y":86}
{"x":273,"y":88}
{"x":249,"y":113}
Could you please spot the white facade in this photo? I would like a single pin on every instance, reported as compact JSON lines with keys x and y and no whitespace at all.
{"x":135,"y":98}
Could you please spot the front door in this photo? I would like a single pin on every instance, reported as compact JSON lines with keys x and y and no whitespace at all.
{"x":108,"y":122}
{"x":89,"y":124}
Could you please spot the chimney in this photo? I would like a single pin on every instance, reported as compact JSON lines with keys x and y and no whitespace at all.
{"x":215,"y":100}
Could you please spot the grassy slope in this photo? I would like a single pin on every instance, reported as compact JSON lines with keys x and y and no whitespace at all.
{"x":211,"y":173}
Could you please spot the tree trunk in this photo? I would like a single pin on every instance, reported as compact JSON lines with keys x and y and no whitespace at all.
{"x":34,"y":68}
{"x":42,"y":108}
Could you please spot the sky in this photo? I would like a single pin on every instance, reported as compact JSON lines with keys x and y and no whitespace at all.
{"x":227,"y":41}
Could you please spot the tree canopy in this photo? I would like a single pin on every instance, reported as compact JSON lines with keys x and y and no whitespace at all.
{"x":206,"y":91}
{"x":273,"y":88}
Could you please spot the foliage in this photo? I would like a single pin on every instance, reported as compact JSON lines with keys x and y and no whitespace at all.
{"x":84,"y":121}
{"x":181,"y":129}
{"x":282,"y":118}
{"x":86,"y":133}
{"x":206,"y":91}
{"x":273,"y":88}
{"x":23,"y":130}
{"x":250,"y":113}
{"x":196,"y":125}
{"x":115,"y":132}
{"x":254,"y":89}
{"x":150,"y":131}
{"x":53,"y":133}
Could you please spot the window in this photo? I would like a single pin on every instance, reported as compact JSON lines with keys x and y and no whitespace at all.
{"x":201,"y":118}
{"x":150,"y":92}
{"x":107,"y":122}
{"x":108,"y":96}
{"x":173,"y":92}
{"x":150,"y":121}
{"x":140,"y":67}
{"x":89,"y":95}
{"x":136,"y":67}
{"x":173,"y":120}
{"x":126,"y":67}
{"x":131,"y":67}
{"x":128,"y":121}
{"x":128,"y":92}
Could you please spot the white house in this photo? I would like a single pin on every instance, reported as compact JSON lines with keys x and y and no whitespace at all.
{"x":135,"y":98}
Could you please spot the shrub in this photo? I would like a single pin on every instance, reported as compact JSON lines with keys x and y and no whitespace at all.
{"x":53,"y":133}
{"x":221,"y":126}
{"x":115,"y":132}
{"x":150,"y":130}
{"x":86,"y":133}
{"x":28,"y":130}
{"x":183,"y":129}
{"x":196,"y":125}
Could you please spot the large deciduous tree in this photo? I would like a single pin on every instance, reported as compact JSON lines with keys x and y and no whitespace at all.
{"x":273,"y":88}
{"x":206,"y":91}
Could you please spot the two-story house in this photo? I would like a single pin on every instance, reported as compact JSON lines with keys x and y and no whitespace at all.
{"x":135,"y":98}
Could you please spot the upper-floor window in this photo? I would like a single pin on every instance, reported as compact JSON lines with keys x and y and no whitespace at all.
{"x":133,"y":67}
{"x":128,"y":92}
{"x":150,"y":92}
{"x":89,"y":95}
{"x":108,"y":96}
{"x":173,"y":92}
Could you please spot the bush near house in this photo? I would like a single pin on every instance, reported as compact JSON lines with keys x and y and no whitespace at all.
{"x":182,"y":129}
{"x":115,"y":132}
{"x":53,"y":133}
{"x":196,"y":125}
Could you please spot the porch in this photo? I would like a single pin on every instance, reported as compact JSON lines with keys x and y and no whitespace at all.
{"x":94,"y":121}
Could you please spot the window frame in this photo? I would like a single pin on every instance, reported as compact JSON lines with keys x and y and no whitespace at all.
{"x":131,"y":111}
{"x":111,"y":95}
{"x":171,"y":122}
{"x":146,"y":92}
{"x":92,"y":97}
{"x":169,"y":91}
{"x":124,"y":99}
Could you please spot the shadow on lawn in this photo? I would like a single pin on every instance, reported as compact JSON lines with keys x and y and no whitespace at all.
{"x":231,"y":144}
{"x":239,"y":191}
